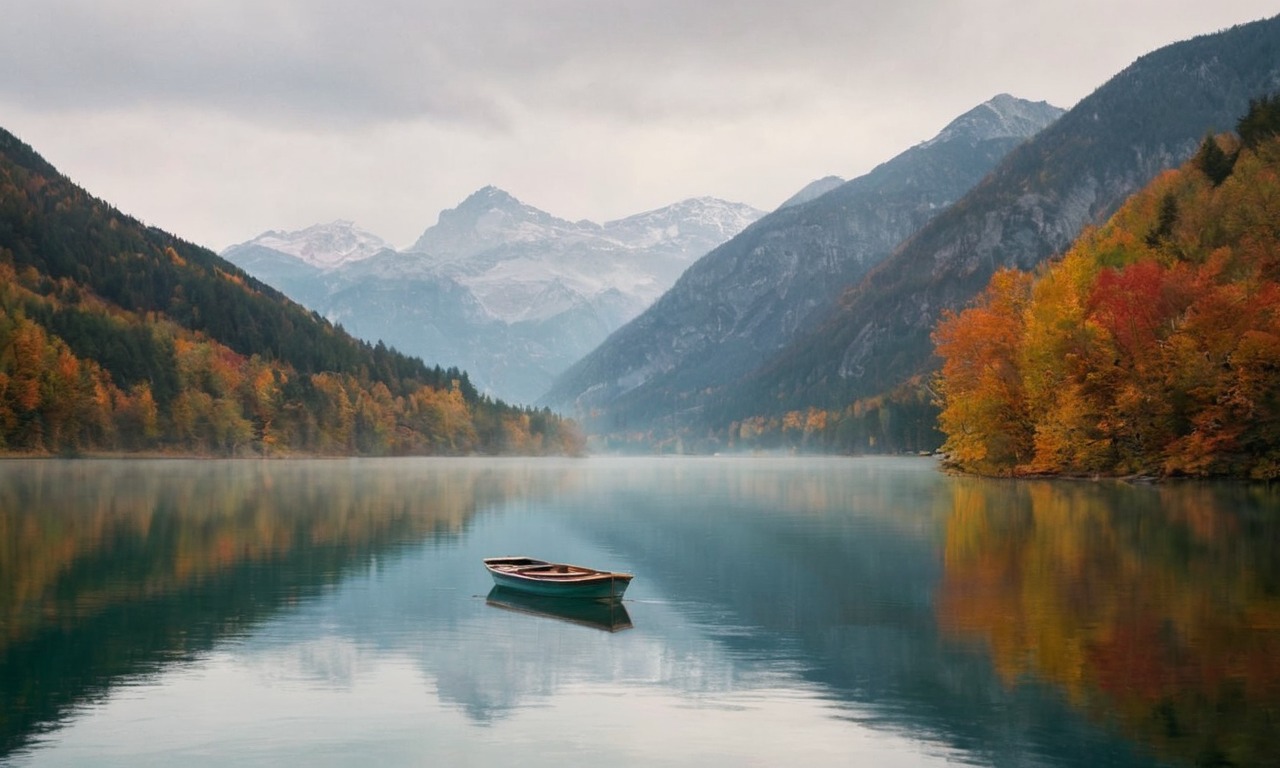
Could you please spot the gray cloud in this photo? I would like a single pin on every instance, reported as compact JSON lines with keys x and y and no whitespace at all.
{"x":483,"y":62}
{"x":473,"y":62}
{"x":220,"y":118}
{"x":291,"y":61}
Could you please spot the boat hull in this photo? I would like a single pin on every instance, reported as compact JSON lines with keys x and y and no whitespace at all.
{"x":546,"y":579}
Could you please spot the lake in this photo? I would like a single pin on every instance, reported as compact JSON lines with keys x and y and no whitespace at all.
{"x":785,"y":611}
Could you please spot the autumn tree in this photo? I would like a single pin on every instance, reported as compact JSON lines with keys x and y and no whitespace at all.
{"x":984,"y":408}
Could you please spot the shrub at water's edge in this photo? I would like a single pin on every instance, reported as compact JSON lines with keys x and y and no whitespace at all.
{"x":1151,"y":347}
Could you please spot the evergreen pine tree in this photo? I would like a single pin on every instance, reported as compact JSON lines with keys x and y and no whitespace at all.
{"x":1213,"y":161}
{"x":1261,"y":122}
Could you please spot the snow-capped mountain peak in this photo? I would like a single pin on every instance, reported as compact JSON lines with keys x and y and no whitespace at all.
{"x":489,"y":197}
{"x":490,"y":217}
{"x":704,"y":219}
{"x":506,"y":291}
{"x":326,"y":246}
{"x":1001,"y":117}
{"x":509,"y":253}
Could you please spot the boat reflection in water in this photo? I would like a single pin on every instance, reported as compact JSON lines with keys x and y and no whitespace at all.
{"x":609,"y":615}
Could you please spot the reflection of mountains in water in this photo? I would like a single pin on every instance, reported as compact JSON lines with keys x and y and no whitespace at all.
{"x":609,"y":615}
{"x":119,"y":568}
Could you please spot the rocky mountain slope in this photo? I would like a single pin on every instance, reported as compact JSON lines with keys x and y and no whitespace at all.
{"x":1148,"y":118}
{"x":813,"y":190}
{"x":748,"y":299}
{"x":509,"y":292}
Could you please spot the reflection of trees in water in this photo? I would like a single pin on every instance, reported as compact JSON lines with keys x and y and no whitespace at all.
{"x":111,"y":569}
{"x":825,"y":571}
{"x":1155,"y":608}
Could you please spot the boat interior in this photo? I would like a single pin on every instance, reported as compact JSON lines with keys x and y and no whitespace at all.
{"x":541,"y":569}
{"x":547,"y":570}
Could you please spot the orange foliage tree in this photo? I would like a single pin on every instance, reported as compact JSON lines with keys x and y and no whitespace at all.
{"x":984,"y":409}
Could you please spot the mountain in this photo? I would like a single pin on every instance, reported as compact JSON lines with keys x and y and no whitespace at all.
{"x":509,"y":292}
{"x":491,"y":218}
{"x":325,"y":246}
{"x":1148,"y":118}
{"x":300,"y":259}
{"x":813,"y":191}
{"x":749,"y":298}
{"x":115,"y":336}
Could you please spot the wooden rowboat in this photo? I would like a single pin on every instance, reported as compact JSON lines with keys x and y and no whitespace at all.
{"x":540,"y":577}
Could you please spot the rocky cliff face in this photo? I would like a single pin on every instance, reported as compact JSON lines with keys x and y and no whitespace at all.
{"x":743,"y":302}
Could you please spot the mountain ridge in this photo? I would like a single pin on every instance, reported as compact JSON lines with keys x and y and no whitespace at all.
{"x":488,"y":218}
{"x":324,"y":246}
{"x":511,"y":293}
{"x":1015,"y":217}
{"x":753,"y":294}
{"x":813,"y":190}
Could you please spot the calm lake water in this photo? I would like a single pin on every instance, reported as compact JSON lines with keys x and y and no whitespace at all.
{"x":784,"y":612}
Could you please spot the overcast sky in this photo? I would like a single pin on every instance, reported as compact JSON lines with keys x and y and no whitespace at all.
{"x":219,"y":119}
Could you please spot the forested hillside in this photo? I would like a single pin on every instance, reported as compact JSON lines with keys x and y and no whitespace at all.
{"x":1151,"y":347}
{"x":115,"y":336}
{"x":868,"y":365}
{"x":743,"y":302}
